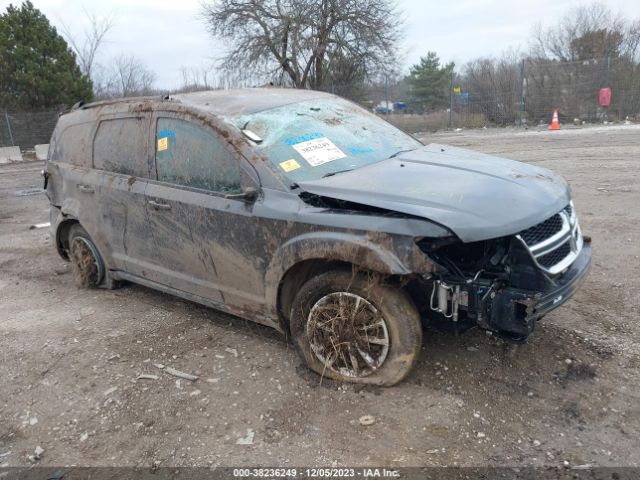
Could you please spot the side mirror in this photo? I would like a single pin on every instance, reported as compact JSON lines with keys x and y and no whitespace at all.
{"x":250,"y":194}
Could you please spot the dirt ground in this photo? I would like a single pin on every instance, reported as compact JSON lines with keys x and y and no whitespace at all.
{"x":70,"y":358}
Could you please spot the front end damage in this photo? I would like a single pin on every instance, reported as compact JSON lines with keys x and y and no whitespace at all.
{"x":503,"y":285}
{"x":500,"y":268}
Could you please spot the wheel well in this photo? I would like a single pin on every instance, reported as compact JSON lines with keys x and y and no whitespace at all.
{"x":296,"y":276}
{"x":303,"y":271}
{"x":62,"y":237}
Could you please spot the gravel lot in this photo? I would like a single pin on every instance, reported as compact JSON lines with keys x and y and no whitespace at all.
{"x":70,"y":358}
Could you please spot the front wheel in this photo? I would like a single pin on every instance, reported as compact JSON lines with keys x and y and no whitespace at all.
{"x":354,"y":328}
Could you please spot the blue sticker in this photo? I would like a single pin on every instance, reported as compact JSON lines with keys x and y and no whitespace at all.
{"x":302,"y":138}
{"x":166,"y":133}
{"x":360,"y":151}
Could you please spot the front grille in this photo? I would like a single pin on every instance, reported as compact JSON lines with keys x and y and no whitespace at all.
{"x":556,"y":256}
{"x":556,"y":242}
{"x":542,"y":231}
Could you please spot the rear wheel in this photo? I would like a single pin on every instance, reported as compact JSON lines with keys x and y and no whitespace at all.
{"x":356,"y":329}
{"x":87,"y":265}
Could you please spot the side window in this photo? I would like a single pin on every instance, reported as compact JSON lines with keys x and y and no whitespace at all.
{"x":73,"y":145}
{"x":189,"y":155}
{"x":120,"y":146}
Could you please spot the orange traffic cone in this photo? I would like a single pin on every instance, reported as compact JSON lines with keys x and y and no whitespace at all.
{"x":555,"y":123}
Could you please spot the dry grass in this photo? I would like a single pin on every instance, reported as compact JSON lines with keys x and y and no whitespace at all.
{"x":435,"y":121}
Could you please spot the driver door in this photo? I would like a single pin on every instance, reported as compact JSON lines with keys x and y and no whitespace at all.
{"x":191,"y":240}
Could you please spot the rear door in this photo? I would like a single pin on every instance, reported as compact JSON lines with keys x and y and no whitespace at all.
{"x":121,"y":169}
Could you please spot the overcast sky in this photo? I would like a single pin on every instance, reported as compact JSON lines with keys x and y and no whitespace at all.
{"x":168,"y":35}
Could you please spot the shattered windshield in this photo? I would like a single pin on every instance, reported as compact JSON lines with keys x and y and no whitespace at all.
{"x":318,"y":138}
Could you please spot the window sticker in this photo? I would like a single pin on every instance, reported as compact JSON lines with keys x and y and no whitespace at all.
{"x":302,"y":138}
{"x":319,"y":151}
{"x":163,"y":144}
{"x":167,"y":133}
{"x":360,"y":151}
{"x":289,"y":165}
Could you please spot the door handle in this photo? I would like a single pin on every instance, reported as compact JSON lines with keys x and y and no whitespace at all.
{"x":159,"y":206}
{"x":45,"y":176}
{"x":86,"y":189}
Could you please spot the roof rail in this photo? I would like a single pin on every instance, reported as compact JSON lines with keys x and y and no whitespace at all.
{"x":113,"y":101}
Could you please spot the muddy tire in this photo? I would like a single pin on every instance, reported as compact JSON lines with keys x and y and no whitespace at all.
{"x":87,"y":265}
{"x":353,"y":328}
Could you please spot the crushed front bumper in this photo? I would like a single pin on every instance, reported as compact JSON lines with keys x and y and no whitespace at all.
{"x":512,"y":313}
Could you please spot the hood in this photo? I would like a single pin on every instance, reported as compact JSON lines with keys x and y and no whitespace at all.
{"x":476,"y":196}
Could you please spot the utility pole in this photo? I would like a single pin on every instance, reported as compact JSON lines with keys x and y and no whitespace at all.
{"x":386,"y":94}
{"x":450,"y":100}
{"x":523,"y":83}
{"x":606,"y":109}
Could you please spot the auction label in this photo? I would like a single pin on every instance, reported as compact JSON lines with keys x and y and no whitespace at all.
{"x":163,"y":144}
{"x":319,"y":151}
{"x":289,"y":165}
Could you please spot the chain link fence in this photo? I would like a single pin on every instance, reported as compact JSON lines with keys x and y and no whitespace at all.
{"x":483,"y":93}
{"x":527,"y":93}
{"x":520,"y":93}
{"x":26,"y":129}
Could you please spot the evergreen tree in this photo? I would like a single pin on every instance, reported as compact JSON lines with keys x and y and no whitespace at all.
{"x":37,"y":68}
{"x":429,"y":83}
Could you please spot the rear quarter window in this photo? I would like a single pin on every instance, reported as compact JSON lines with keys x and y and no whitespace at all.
{"x":73,"y":145}
{"x":120,"y":146}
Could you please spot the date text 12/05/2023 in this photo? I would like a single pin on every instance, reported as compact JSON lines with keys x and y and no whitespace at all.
{"x":315,"y":473}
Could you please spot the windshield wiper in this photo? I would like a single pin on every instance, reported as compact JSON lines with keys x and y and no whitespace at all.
{"x":331,"y":174}
{"x":402,"y":151}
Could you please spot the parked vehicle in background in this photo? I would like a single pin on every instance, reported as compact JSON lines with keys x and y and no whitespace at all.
{"x":302,"y":211}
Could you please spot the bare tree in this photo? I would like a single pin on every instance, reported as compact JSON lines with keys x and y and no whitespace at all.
{"x":104,"y":81}
{"x":130,"y":77}
{"x":196,"y":78}
{"x":498,"y":83}
{"x":300,"y":40}
{"x":86,"y":47}
{"x":587,"y":32}
{"x":631,"y":42}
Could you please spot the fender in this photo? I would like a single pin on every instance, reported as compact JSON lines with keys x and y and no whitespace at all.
{"x":380,"y":254}
{"x":71,"y":207}
{"x":57,"y":218}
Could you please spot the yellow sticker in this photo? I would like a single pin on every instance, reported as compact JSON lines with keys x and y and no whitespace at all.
{"x":289,"y":165}
{"x":163,"y":144}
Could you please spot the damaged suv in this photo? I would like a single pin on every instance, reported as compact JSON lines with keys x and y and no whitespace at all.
{"x":302,"y":211}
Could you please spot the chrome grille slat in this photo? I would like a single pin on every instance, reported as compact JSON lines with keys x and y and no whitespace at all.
{"x":542,"y":231}
{"x":555,"y":256}
{"x":555,"y":243}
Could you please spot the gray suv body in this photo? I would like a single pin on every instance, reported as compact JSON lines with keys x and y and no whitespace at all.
{"x":302,"y":211}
